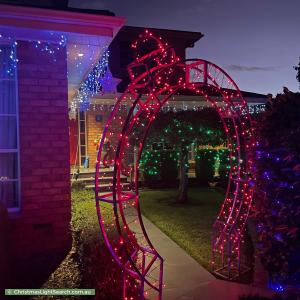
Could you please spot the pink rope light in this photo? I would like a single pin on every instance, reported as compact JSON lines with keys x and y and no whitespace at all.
{"x":156,"y":75}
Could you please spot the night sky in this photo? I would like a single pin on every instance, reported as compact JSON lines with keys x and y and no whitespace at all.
{"x":257,"y":42}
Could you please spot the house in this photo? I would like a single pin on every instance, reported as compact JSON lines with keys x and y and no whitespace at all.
{"x":90,"y":123}
{"x":61,"y":70}
{"x":87,"y":125}
{"x":41,"y":63}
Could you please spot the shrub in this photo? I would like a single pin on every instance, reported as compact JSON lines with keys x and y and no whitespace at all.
{"x":89,"y":264}
{"x":159,"y":168}
{"x":257,"y":297}
{"x":278,"y":186}
{"x":224,"y":168}
{"x":150,"y":166}
{"x":204,"y":166}
{"x":3,"y":246}
{"x":169,"y":167}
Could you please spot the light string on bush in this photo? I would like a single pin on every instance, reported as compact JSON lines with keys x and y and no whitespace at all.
{"x":277,"y":166}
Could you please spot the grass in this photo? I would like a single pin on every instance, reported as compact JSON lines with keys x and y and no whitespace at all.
{"x":88,"y":264}
{"x":190,"y":225}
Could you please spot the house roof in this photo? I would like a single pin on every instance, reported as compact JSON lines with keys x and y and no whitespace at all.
{"x":29,"y":17}
{"x":122,"y":53}
{"x":86,"y":34}
{"x":130,"y":33}
{"x":254,"y":98}
{"x":57,"y":15}
{"x":56,"y":5}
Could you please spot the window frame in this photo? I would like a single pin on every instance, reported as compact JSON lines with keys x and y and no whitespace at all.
{"x":16,"y":115}
{"x":84,"y":132}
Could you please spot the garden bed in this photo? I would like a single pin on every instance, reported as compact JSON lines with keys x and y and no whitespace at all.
{"x":89,"y":263}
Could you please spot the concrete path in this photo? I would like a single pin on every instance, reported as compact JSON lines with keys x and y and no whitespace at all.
{"x":185,"y":279}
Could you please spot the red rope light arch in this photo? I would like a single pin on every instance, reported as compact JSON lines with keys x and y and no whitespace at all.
{"x":156,"y":76}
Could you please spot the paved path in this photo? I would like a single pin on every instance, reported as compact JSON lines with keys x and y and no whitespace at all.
{"x":185,"y":279}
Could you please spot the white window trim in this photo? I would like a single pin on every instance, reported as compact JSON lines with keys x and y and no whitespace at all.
{"x":17,"y":150}
{"x":79,"y":138}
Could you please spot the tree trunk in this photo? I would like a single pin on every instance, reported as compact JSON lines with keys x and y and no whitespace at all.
{"x":183,"y":176}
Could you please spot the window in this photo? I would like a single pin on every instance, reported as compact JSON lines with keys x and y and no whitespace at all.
{"x":9,"y":143}
{"x":82,"y":138}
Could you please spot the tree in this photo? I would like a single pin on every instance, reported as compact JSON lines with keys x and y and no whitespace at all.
{"x":278,"y":183}
{"x":297,"y":68}
{"x":181,"y":129}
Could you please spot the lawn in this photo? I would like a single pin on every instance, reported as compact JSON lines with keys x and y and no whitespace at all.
{"x":89,"y":264}
{"x":190,"y":225}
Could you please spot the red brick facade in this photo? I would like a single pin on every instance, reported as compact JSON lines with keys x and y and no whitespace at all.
{"x":94,"y":129}
{"x":94,"y":132}
{"x":44,"y":220}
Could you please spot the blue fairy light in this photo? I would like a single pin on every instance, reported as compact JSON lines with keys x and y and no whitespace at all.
{"x":92,"y":85}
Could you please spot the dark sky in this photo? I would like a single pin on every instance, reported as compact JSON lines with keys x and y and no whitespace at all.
{"x":256,"y":41}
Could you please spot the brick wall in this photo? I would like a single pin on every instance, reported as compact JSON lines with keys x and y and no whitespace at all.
{"x":94,"y":132}
{"x":95,"y":129}
{"x":43,"y":223}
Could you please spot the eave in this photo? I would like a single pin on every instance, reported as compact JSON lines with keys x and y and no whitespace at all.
{"x":63,"y":21}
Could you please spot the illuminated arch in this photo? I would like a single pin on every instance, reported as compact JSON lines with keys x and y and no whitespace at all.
{"x":157,"y":75}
